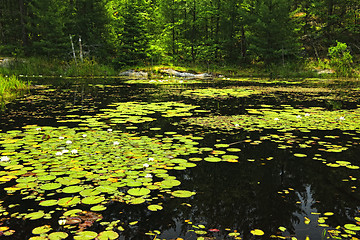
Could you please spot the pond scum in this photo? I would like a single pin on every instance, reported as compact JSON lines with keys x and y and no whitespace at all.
{"x":80,"y":171}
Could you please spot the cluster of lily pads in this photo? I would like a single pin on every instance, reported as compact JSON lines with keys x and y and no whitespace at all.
{"x":74,"y":167}
{"x":221,"y":93}
{"x":284,"y":119}
{"x":164,"y":81}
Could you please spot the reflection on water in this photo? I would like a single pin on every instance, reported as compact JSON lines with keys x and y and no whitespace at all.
{"x":266,"y":188}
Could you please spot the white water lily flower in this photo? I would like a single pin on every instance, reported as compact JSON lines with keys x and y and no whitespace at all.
{"x":151,"y":159}
{"x":307,"y":114}
{"x":342,"y":118}
{"x":298,"y":116}
{"x":116,"y":143}
{"x":109,"y":130}
{"x":74,"y":151}
{"x":61,"y":138}
{"x":65,"y":151}
{"x":58,"y":153}
{"x":276,"y":119}
{"x":148,"y":175}
{"x":38,"y":129}
{"x":68,"y":142}
{"x":145,"y":165}
{"x":237,"y":125}
{"x":62,"y":222}
{"x":4,"y":159}
{"x":84,"y":135}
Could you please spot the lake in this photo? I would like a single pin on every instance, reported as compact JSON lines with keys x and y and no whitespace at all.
{"x":171,"y":158}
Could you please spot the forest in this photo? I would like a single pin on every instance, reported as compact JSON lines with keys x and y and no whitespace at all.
{"x":123,"y":33}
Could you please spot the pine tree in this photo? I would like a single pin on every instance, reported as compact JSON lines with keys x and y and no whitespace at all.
{"x":134,"y":42}
{"x":272,"y":37}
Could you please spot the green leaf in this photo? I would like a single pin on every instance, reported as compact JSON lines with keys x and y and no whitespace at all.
{"x":182,"y":193}
{"x":138,"y":191}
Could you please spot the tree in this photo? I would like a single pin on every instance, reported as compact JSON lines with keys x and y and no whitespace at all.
{"x":133,"y":45}
{"x":45,"y":27}
{"x":272,"y":37}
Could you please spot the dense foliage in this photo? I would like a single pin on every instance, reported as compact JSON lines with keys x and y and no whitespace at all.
{"x":128,"y":32}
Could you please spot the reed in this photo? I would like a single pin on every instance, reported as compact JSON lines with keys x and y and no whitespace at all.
{"x":10,"y":86}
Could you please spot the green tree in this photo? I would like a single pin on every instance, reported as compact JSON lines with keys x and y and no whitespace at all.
{"x":272,"y":36}
{"x":132,"y":35}
{"x":45,"y":27}
{"x":341,"y":59}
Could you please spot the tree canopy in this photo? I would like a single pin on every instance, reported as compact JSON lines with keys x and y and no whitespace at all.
{"x":129,"y":32}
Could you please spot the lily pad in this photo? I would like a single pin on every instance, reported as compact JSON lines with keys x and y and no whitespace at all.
{"x":93,"y":200}
{"x":85,"y":235}
{"x":42,"y":229}
{"x":138,"y":191}
{"x":108,"y":235}
{"x":155,"y":208}
{"x":58,"y":235}
{"x":182,"y":193}
{"x":35,"y":215}
{"x":50,"y":186}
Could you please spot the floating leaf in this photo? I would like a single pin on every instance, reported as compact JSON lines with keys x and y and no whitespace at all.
{"x":73,"y":189}
{"x":182,"y":193}
{"x":48,"y":203}
{"x":138,"y":191}
{"x":85,"y":235}
{"x":58,"y":235}
{"x":300,"y":155}
{"x":98,"y":208}
{"x":257,"y":232}
{"x":352,"y":227}
{"x":108,"y":235}
{"x":50,"y":186}
{"x":35,"y":215}
{"x":155,"y":208}
{"x":93,"y":200}
{"x":42,"y":229}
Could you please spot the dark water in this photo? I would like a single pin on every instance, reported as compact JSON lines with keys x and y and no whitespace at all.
{"x":274,"y":189}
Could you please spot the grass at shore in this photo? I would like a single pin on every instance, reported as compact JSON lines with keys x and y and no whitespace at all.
{"x":92,"y":68}
{"x":10,"y":86}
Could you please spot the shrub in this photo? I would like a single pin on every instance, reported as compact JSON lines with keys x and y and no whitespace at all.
{"x":341,"y":59}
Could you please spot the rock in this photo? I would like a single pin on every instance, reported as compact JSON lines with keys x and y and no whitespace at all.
{"x":175,"y":73}
{"x":133,"y":73}
{"x":325,"y":71}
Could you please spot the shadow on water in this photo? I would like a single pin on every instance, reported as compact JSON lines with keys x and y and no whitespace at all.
{"x":265,"y":188}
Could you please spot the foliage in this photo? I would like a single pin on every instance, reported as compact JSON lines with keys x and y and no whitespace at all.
{"x":9,"y":85}
{"x":131,"y":32}
{"x":341,"y":59}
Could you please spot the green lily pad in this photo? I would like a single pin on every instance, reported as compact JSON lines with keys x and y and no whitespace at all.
{"x":72,"y":212}
{"x":138,"y":200}
{"x":69,"y":201}
{"x":85,"y":235}
{"x":212,"y":159}
{"x":138,"y":191}
{"x":155,"y":208}
{"x":42,"y":229}
{"x":182,"y":193}
{"x":93,"y":200}
{"x":35,"y":215}
{"x":90,"y":192}
{"x":108,"y":235}
{"x":58,"y":235}
{"x":98,"y":208}
{"x":352,"y":227}
{"x":48,"y":203}
{"x":50,"y":186}
{"x":300,"y":155}
{"x":73,"y":189}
